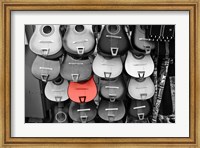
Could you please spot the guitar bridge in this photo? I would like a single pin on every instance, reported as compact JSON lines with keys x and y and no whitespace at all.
{"x":80,"y":50}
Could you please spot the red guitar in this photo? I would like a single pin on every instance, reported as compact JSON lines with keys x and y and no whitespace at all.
{"x":83,"y":91}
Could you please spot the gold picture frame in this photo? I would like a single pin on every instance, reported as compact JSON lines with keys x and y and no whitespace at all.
{"x":5,"y":67}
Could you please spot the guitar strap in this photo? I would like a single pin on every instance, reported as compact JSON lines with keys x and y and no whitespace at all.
{"x":155,"y":73}
{"x":161,"y":83}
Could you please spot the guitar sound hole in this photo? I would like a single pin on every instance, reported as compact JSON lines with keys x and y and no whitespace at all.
{"x":58,"y":81}
{"x":47,"y":29}
{"x":113,"y":29}
{"x":61,"y":117}
{"x":79,"y":28}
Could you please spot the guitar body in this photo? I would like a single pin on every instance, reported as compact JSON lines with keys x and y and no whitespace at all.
{"x":76,"y":70}
{"x":46,"y":41}
{"x":107,"y":68}
{"x":82,"y":92}
{"x":45,"y":70}
{"x":111,"y":111}
{"x":112,"y":89}
{"x":57,"y":91}
{"x":79,"y":40}
{"x":82,"y":112}
{"x":113,"y":41}
{"x":141,"y":89}
{"x":141,"y":67}
{"x":139,"y":40}
{"x":60,"y":113}
{"x":139,"y":109}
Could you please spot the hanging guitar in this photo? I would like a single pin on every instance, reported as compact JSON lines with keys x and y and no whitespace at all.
{"x":140,"y":109}
{"x":82,"y":92}
{"x":141,"y":89}
{"x":162,"y":32}
{"x":45,"y":70}
{"x":56,"y":90}
{"x":139,"y":40}
{"x":79,"y":40}
{"x":60,"y":113}
{"x":76,"y":70}
{"x":139,"y":66}
{"x":82,"y":112}
{"x":107,"y":67}
{"x":112,"y":89}
{"x":113,"y":41}
{"x":46,"y":41}
{"x":111,"y":111}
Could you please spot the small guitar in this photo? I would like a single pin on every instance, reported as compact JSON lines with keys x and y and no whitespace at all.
{"x":111,"y":111}
{"x":139,"y":40}
{"x":46,"y":41}
{"x":79,"y":40}
{"x":82,"y":112}
{"x":112,"y":89}
{"x":113,"y":41}
{"x":76,"y":70}
{"x":56,"y":90}
{"x":139,"y":66}
{"x":107,"y":68}
{"x":60,"y":113}
{"x":83,"y":91}
{"x":141,"y":89}
{"x":140,"y":109}
{"x":45,"y":70}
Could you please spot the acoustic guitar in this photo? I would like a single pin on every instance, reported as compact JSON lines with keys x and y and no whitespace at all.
{"x":141,"y":89}
{"x":113,"y":41}
{"x":112,"y":89}
{"x":79,"y":40}
{"x":139,"y":40}
{"x":46,"y":41}
{"x":44,"y":69}
{"x":111,"y":111}
{"x":140,"y":109}
{"x":56,"y":90}
{"x":139,"y":66}
{"x":107,"y":67}
{"x":82,"y":112}
{"x":60,"y":113}
{"x":76,"y":70}
{"x":82,"y":92}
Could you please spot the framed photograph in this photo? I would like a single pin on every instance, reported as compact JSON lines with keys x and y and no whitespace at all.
{"x":100,"y":73}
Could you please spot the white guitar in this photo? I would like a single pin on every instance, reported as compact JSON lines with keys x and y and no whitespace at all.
{"x":46,"y":40}
{"x":107,"y":68}
{"x":139,"y":66}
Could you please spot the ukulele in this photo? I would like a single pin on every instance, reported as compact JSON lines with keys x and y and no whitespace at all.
{"x":46,"y":41}
{"x":113,"y":41}
{"x":82,"y":112}
{"x":81,"y":92}
{"x":107,"y":68}
{"x":79,"y":40}
{"x":111,"y":111}
{"x":139,"y":66}
{"x":112,"y":89}
{"x":139,"y":109}
{"x":60,"y":113}
{"x":44,"y":69}
{"x":56,"y":90}
{"x":139,"y":40}
{"x":76,"y":70}
{"x":141,"y":89}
